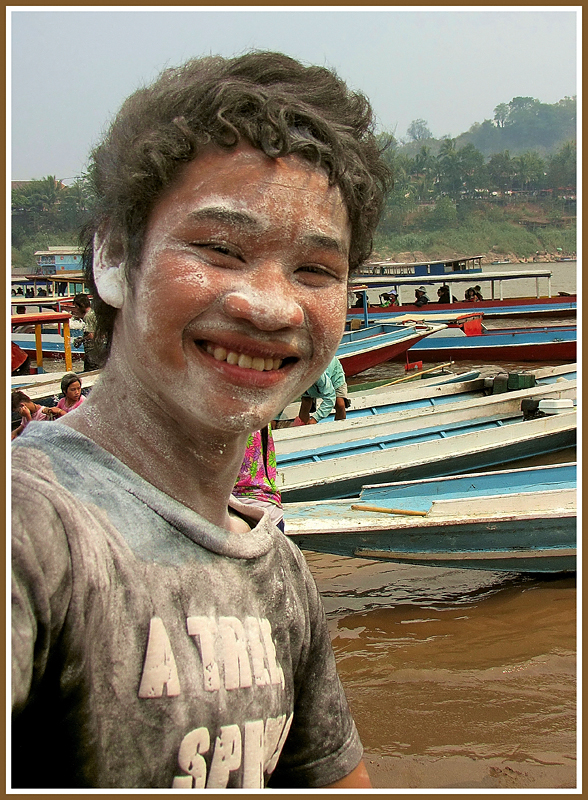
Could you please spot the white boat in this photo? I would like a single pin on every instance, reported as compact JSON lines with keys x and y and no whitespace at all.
{"x":514,"y":519}
{"x":421,"y":443}
{"x":429,"y":392}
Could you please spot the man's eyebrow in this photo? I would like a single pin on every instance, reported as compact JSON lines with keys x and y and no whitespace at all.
{"x":325,"y":242}
{"x":225,"y":215}
{"x":232,"y":216}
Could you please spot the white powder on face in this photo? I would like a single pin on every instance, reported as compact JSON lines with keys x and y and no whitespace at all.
{"x":264,"y":309}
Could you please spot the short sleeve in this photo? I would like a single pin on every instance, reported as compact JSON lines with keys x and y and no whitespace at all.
{"x":323,"y":744}
{"x":41,"y":586}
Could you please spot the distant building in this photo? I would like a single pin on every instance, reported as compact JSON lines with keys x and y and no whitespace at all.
{"x":66,"y":258}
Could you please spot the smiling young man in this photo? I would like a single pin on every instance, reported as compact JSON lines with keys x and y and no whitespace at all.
{"x":165,"y":635}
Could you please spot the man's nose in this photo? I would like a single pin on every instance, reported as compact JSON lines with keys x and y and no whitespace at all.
{"x":268,"y":302}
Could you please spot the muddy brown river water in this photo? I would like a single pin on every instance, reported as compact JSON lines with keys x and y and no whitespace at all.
{"x":456,"y":678}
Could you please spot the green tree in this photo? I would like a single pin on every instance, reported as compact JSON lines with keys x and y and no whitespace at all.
{"x":529,"y":170}
{"x":561,"y":169}
{"x":501,"y":113}
{"x":450,"y":172}
{"x":501,"y":170}
{"x":418,"y":130}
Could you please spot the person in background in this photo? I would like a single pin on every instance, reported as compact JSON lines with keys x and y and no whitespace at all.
{"x":471,"y":295}
{"x":82,"y":310}
{"x":478,"y":292}
{"x":358,"y":303}
{"x":443,"y":295}
{"x":71,"y":388}
{"x":256,"y":483}
{"x":29,"y":411}
{"x":421,"y":298}
{"x":164,"y":634}
{"x":331,"y":388}
{"x":389,"y":298}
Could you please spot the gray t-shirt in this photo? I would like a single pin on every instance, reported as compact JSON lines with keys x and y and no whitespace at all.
{"x":153,"y":649}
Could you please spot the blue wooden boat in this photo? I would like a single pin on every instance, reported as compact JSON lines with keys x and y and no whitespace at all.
{"x":475,"y":342}
{"x":369,"y":346}
{"x":335,"y":461}
{"x":428,"y":393}
{"x":515,"y":520}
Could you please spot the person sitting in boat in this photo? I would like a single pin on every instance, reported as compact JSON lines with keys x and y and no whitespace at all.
{"x":421,"y":298}
{"x":389,"y":299}
{"x":71,"y":388}
{"x":358,"y":300}
{"x":443,"y":295}
{"x":256,"y":483}
{"x":331,"y":388}
{"x":478,"y":293}
{"x":29,"y":411}
{"x":470,"y":295}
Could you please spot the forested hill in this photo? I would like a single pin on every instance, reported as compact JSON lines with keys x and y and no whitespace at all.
{"x":507,"y":186}
{"x":522,"y":125}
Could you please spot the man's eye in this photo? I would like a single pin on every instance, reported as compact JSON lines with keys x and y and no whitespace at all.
{"x":315,"y":275}
{"x":218,"y":247}
{"x":313,"y":268}
{"x":223,"y":249}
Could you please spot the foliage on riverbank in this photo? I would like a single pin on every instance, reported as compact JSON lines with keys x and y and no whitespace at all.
{"x":518,"y":231}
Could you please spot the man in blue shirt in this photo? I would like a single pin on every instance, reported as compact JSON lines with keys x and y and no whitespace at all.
{"x":331,"y":388}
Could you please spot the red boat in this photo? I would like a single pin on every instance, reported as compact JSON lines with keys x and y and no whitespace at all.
{"x":468,"y":339}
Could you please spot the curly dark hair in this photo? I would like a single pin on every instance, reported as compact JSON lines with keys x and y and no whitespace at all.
{"x":269,"y":100}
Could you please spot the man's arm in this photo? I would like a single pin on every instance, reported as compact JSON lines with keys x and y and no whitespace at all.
{"x":357,"y":779}
{"x":326,"y":390}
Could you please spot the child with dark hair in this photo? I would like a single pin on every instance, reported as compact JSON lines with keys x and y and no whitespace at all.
{"x":71,"y":388}
{"x":29,"y":411}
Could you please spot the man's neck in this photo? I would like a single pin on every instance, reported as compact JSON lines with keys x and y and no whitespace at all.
{"x":198,"y":468}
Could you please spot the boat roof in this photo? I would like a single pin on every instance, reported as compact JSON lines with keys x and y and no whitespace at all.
{"x":375,"y":281}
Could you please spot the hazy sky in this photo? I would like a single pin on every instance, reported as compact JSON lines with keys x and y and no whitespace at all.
{"x":71,"y":70}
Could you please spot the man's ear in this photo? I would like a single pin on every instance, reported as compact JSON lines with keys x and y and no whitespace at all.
{"x":108,"y":277}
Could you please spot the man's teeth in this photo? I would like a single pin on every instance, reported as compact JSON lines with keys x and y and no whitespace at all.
{"x":243,"y":360}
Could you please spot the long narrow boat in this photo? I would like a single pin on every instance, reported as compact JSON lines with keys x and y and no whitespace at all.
{"x":521,"y":520}
{"x":399,"y":415}
{"x":364,"y":348}
{"x":431,"y":392}
{"x":404,"y":278}
{"x":359,"y":349}
{"x":51,"y":343}
{"x":548,"y":343}
{"x":422,"y":443}
{"x":560,"y":306}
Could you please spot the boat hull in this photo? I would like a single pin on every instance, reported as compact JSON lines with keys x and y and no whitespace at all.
{"x":427,"y":455}
{"x":365,"y":348}
{"x":512,"y":307}
{"x":520,"y":520}
{"x":506,"y":344}
{"x":486,"y":545}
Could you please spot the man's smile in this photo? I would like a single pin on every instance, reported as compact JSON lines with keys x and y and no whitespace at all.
{"x":242,"y":359}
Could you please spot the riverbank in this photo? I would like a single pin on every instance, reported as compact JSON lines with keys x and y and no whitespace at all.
{"x":490,"y":258}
